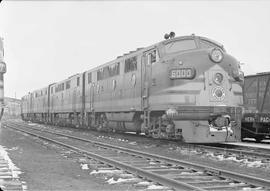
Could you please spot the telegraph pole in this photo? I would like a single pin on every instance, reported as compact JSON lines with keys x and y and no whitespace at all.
{"x":2,"y":72}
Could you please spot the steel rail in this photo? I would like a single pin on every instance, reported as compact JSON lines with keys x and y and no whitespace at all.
{"x":220,"y":172}
{"x":237,"y":151}
{"x":227,"y":150}
{"x":139,"y":172}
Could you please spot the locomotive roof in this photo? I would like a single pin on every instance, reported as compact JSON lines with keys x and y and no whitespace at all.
{"x":139,"y":51}
{"x":66,"y":79}
{"x":258,"y":74}
{"x":40,"y":89}
{"x":192,"y":37}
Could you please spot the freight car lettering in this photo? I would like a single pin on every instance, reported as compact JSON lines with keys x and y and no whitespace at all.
{"x":182,"y":73}
{"x":265,"y":119}
{"x":249,"y":119}
{"x":252,"y":101}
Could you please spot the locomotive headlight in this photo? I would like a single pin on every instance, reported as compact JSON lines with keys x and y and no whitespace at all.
{"x":219,"y":93}
{"x":218,"y":78}
{"x":216,"y":55}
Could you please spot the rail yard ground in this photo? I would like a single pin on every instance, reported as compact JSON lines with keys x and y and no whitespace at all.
{"x":45,"y":166}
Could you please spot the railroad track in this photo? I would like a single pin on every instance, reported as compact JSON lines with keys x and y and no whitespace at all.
{"x":239,"y":150}
{"x":227,"y":149}
{"x":172,"y":173}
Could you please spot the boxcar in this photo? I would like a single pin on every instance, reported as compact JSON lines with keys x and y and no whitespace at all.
{"x":256,"y":119}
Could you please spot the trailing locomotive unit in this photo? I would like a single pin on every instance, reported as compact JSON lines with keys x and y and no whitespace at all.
{"x":256,"y":119}
{"x":185,"y":88}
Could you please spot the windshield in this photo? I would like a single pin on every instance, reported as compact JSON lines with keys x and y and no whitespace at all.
{"x":208,"y":44}
{"x":180,"y":45}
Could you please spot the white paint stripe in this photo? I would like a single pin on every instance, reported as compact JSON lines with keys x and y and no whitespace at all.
{"x":181,"y":99}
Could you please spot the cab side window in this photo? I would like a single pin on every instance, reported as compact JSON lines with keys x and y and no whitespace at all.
{"x":152,"y":57}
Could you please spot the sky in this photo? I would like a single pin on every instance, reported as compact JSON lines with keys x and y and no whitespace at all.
{"x":48,"y":41}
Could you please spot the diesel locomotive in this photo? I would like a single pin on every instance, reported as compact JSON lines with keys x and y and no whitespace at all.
{"x":186,"y":88}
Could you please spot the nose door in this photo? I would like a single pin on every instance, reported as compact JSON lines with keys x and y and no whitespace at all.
{"x":146,"y":80}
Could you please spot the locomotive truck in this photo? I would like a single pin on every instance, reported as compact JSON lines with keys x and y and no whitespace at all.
{"x":186,"y":88}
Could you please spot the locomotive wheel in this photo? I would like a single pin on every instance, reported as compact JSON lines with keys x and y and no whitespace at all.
{"x":103,"y":124}
{"x":154,"y":131}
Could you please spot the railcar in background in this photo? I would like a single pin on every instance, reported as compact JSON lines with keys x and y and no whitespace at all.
{"x":256,"y":119}
{"x":186,"y":88}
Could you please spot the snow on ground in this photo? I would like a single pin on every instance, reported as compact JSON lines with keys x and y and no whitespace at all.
{"x":250,"y":189}
{"x":191,"y":173}
{"x":24,"y":185}
{"x":112,"y":138}
{"x":84,"y":166}
{"x":156,"y":187}
{"x":152,"y":186}
{"x":241,"y":160}
{"x":106,"y":172}
{"x":14,"y":170}
{"x":144,"y":183}
{"x":233,"y":183}
{"x":255,"y":163}
{"x":32,"y":124}
{"x":83,"y":160}
{"x":114,"y":176}
{"x":123,"y":180}
{"x":132,"y":143}
{"x":123,"y":140}
{"x":13,"y":149}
